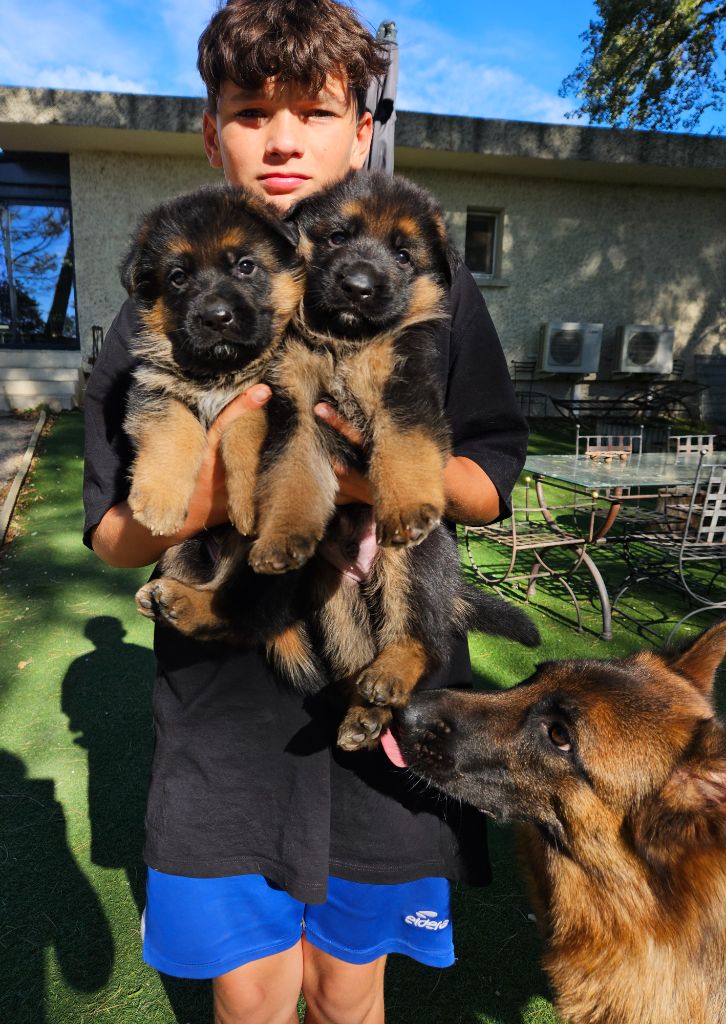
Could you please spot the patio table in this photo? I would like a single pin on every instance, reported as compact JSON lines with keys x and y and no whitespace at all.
{"x":617,"y":481}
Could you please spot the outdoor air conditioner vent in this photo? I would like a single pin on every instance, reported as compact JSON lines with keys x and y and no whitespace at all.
{"x":644,"y":348}
{"x":569,"y":348}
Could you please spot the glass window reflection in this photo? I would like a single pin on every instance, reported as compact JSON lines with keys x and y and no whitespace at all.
{"x":37,"y":295}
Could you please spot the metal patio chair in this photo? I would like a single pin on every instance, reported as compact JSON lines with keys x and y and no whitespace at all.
{"x":608,"y":446}
{"x":531,"y":402}
{"x":691,"y":557}
{"x":691,"y":444}
{"x":536,"y":533}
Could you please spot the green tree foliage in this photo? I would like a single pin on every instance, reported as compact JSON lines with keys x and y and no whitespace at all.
{"x":658,"y":64}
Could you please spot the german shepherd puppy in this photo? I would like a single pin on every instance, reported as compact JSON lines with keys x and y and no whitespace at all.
{"x":216,"y":277}
{"x":379,"y":263}
{"x":617,"y":772}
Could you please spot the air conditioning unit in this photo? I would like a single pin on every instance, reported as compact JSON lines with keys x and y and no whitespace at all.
{"x":643,"y":348}
{"x":569,"y":348}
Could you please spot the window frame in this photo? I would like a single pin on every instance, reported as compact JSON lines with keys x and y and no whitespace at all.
{"x":497,"y":214}
{"x":39,"y":179}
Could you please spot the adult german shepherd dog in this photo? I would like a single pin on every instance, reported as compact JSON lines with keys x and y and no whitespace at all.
{"x":616,"y":771}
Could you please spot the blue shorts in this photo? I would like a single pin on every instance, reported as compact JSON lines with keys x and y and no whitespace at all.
{"x":204,"y":927}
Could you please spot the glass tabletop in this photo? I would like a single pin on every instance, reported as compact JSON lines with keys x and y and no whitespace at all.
{"x":652,"y":469}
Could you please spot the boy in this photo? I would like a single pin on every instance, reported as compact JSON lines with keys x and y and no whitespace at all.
{"x":276,"y":862}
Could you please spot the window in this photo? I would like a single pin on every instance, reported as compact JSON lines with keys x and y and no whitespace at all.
{"x":481,"y":249}
{"x":37,"y":293}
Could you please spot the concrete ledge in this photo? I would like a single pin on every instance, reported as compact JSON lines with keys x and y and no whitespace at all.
{"x":61,"y":120}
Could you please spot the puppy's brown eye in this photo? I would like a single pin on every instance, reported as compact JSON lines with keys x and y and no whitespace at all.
{"x":177,"y":277}
{"x":559,"y":736}
{"x":403,"y":256}
{"x":338,"y":237}
{"x":245,"y":266}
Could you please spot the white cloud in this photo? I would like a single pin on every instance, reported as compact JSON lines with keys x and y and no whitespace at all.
{"x":18,"y":71}
{"x":55,"y":45}
{"x":126,"y":46}
{"x":447,"y":86}
{"x":443,"y":73}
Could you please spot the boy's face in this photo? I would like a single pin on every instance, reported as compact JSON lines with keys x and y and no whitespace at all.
{"x":283,"y":144}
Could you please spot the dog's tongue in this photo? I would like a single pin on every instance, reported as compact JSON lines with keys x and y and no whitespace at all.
{"x":392,"y":749}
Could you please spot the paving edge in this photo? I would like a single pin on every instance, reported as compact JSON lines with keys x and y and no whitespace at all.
{"x":8,"y":508}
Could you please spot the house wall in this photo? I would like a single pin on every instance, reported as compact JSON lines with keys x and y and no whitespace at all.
{"x":587,"y":251}
{"x":571,"y":250}
{"x":109,"y":191}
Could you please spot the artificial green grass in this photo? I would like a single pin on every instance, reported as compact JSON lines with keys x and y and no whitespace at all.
{"x":75,"y":722}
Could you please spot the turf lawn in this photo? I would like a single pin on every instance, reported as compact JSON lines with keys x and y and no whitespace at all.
{"x":75,"y":671}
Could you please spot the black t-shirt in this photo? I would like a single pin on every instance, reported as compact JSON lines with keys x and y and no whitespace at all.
{"x":246,"y":777}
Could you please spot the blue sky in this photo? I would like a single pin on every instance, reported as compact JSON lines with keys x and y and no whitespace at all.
{"x":476,"y":57}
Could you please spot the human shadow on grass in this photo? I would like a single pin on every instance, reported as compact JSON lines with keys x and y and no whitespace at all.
{"x":106,"y":695}
{"x":46,"y":902}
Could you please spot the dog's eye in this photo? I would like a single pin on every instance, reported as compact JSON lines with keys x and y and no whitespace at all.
{"x":245,"y":266}
{"x":177,"y":277}
{"x":338,"y":238}
{"x":403,"y":257}
{"x":559,"y":736}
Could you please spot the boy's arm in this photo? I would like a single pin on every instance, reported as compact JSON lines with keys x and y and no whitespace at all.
{"x":121,"y":541}
{"x":471,"y":496}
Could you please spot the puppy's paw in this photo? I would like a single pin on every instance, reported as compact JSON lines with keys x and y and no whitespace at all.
{"x":406,"y":526}
{"x":361,"y":728}
{"x":165,"y":601}
{"x":281,"y":554}
{"x":380,"y":687}
{"x":159,"y":510}
{"x":242,"y":514}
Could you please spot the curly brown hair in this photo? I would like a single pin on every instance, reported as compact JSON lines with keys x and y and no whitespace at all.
{"x":302,"y":41}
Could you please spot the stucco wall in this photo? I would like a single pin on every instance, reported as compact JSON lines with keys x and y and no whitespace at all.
{"x":585,"y":251}
{"x":571,"y":250}
{"x":109,"y":191}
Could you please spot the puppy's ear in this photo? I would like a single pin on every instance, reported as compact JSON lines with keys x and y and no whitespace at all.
{"x":700,"y":660}
{"x":135,"y":269}
{"x":285,"y":229}
{"x":448,"y":258}
{"x":689,"y":813}
{"x":288,"y":230}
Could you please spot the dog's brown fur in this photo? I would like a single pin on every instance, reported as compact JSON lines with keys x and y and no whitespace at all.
{"x":617,"y":772}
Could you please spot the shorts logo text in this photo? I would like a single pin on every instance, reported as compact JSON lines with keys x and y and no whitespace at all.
{"x":426,"y":919}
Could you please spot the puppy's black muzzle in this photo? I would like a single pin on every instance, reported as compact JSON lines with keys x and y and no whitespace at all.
{"x":359,"y":282}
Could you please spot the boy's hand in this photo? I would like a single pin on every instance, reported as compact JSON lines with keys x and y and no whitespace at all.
{"x":208,"y":506}
{"x":121,"y":541}
{"x":353,"y":486}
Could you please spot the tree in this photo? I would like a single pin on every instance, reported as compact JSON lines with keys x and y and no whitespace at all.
{"x":657,"y":64}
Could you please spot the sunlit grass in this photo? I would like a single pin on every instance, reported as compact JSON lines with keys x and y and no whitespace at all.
{"x":75,"y":716}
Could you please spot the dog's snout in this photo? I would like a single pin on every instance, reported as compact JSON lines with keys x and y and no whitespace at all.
{"x":359,"y":282}
{"x":217,"y":316}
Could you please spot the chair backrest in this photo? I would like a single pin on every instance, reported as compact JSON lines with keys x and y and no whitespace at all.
{"x":608,"y":446}
{"x":706,"y":523}
{"x":523,"y":370}
{"x":691,"y":444}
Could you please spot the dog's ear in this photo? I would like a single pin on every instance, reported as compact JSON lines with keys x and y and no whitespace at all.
{"x":289,"y":232}
{"x":135,"y":269}
{"x":700,"y":660}
{"x":284,"y":229}
{"x":448,"y":258}
{"x":689,"y":813}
